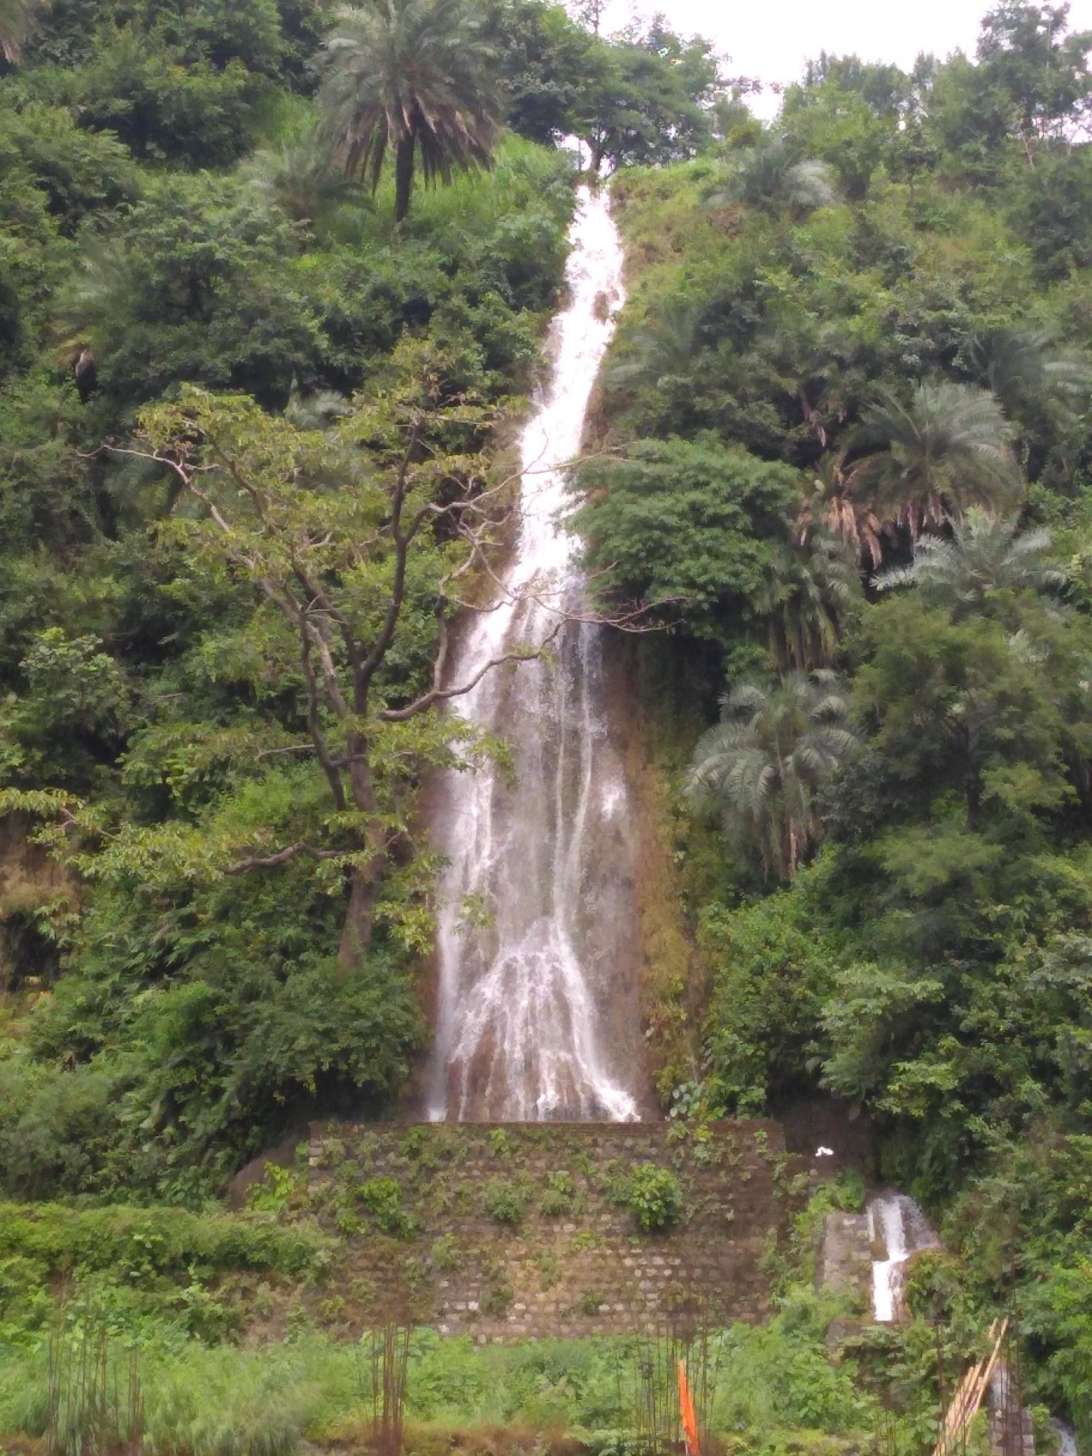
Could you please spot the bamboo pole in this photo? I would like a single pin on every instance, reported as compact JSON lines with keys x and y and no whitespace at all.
{"x":971,"y":1389}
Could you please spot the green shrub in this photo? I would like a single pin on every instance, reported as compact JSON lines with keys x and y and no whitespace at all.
{"x":151,"y":1241}
{"x":422,"y":1147}
{"x":772,"y":969}
{"x":382,"y":1197}
{"x":654,"y":1196}
{"x":559,"y":1196}
{"x":505,"y":1201}
{"x":279,"y":1190}
{"x":444,"y":1254}
{"x":614,"y":1183}
{"x":501,"y":1145}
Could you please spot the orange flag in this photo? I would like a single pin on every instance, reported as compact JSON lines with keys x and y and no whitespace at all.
{"x":686,"y":1410}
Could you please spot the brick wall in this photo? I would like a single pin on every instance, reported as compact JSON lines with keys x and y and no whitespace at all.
{"x":424,"y":1209}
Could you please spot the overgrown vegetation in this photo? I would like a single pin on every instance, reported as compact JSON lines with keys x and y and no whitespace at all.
{"x":268,"y":314}
{"x":654,"y":1196}
{"x":845,"y":434}
{"x":256,"y":409}
{"x":770,"y":1382}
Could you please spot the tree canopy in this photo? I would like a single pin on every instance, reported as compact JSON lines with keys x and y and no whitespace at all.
{"x":412,"y":77}
{"x":275,"y":285}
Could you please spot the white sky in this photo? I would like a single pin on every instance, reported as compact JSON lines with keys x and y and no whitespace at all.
{"x":772,"y":39}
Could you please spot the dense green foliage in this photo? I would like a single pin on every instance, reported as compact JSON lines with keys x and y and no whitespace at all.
{"x":158,"y":1240}
{"x":654,"y":1196}
{"x":197,"y":296}
{"x":268,"y":307}
{"x":873,"y":308}
{"x":764,"y":1384}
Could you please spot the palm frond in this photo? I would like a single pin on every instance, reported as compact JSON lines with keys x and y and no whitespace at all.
{"x":931,"y":459}
{"x":420,"y":72}
{"x":762,"y":765}
{"x":984,"y":555}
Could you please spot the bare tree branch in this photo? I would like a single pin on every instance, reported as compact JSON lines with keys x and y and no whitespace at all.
{"x":282,"y":856}
{"x":440,"y":695}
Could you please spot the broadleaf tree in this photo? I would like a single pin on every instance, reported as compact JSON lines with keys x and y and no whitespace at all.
{"x":353,"y":543}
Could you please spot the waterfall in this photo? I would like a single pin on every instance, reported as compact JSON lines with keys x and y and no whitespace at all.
{"x":1067,"y":1439}
{"x":896,"y":1223}
{"x":536,"y":1013}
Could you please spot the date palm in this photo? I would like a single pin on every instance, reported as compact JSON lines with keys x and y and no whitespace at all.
{"x":301,"y":178}
{"x":16,"y":18}
{"x":412,"y":77}
{"x":806,"y":596}
{"x":761,"y":768}
{"x":832,"y":503}
{"x":985,"y":555}
{"x":771,"y":179}
{"x":1028,"y":369}
{"x":929,"y":460}
{"x":1044,"y":386}
{"x":660,"y":349}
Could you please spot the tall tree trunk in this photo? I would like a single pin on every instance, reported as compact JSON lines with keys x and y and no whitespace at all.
{"x":364,"y":879}
{"x":356,"y":928}
{"x":403,"y":177}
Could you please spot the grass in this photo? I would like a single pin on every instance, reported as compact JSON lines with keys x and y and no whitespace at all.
{"x":274,"y":1400}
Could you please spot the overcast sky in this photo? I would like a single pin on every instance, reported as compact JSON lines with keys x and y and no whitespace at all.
{"x":773,"y":38}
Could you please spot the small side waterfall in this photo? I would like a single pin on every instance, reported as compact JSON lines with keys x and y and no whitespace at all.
{"x":536,"y":1001}
{"x":896,"y":1223}
{"x":1067,"y":1439}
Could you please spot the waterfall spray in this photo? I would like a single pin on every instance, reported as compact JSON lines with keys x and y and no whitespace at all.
{"x":898,"y":1224}
{"x":527,"y":1000}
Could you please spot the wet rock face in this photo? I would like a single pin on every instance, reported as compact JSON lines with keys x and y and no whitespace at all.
{"x":537,"y":997}
{"x":839,"y":1128}
{"x":899,"y":1230}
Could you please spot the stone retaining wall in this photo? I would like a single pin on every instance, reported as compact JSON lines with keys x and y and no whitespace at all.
{"x":844,"y":1257}
{"x":520,"y":1231}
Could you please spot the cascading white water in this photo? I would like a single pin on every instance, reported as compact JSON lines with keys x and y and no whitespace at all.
{"x":896,"y":1222}
{"x":1067,"y":1439}
{"x":536,"y":1017}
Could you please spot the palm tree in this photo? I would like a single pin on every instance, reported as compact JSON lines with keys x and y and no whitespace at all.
{"x":985,"y":555}
{"x":1027,"y":370}
{"x":946,"y":450}
{"x":414,"y":77}
{"x":770,"y":179}
{"x":808,"y":592}
{"x":1044,"y":387}
{"x":16,"y":18}
{"x":301,"y":178}
{"x":662,"y":347}
{"x":833,"y":505}
{"x":763,"y":765}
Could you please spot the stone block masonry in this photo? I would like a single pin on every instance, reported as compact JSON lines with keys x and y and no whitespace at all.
{"x":519,"y":1231}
